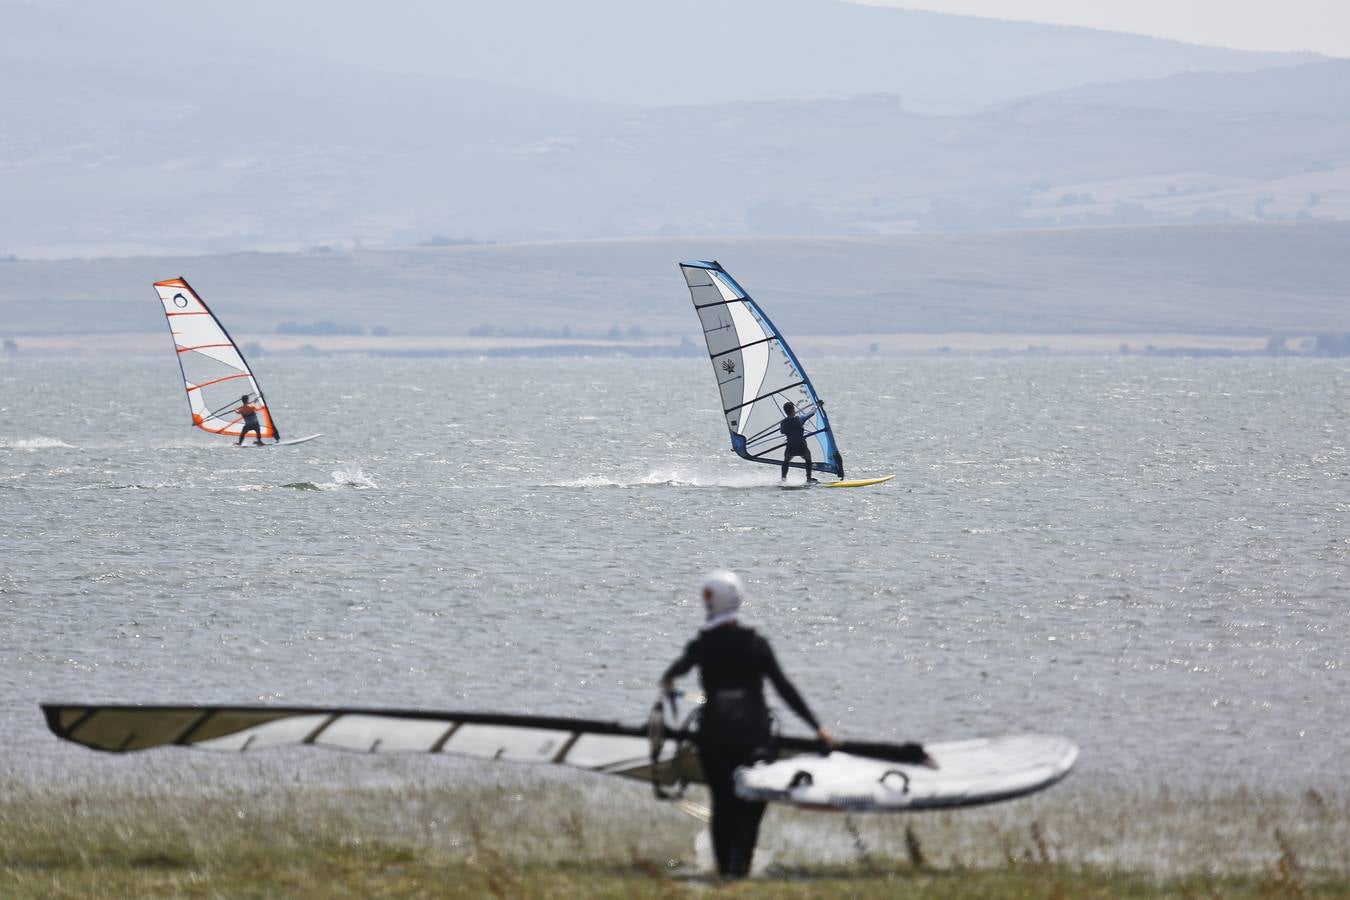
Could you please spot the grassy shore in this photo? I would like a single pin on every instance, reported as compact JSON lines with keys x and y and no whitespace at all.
{"x":542,"y":839}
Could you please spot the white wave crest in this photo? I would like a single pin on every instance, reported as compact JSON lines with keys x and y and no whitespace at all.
{"x":36,"y":443}
{"x":669,"y":478}
{"x":349,"y":479}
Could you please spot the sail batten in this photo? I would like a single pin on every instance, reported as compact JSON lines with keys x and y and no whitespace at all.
{"x":215,"y":373}
{"x":756,"y":373}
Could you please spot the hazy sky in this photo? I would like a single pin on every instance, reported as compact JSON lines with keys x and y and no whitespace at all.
{"x":1319,"y":25}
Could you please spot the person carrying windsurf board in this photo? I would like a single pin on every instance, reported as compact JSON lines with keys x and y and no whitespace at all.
{"x":735,"y":728}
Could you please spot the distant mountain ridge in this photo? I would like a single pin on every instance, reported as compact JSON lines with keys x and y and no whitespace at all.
{"x":225,"y":135}
{"x":695,"y":52}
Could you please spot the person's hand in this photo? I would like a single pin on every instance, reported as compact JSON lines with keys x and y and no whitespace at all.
{"x":825,"y":737}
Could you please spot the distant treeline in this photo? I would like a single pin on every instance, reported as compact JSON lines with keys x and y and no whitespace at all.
{"x":1323,"y":344}
{"x":326,"y":327}
{"x":563,"y":333}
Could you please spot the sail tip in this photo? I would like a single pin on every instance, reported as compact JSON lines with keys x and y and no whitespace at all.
{"x":702,"y":264}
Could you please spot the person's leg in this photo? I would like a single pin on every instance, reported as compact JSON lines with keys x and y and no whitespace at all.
{"x":721,"y":787}
{"x":806,"y":455}
{"x":783,"y":475}
{"x":748,"y":816}
{"x":747,"y":813}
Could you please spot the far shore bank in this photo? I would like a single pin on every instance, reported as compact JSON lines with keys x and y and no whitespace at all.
{"x":967,"y":343}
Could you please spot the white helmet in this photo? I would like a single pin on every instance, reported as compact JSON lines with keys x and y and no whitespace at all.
{"x":722,"y":593}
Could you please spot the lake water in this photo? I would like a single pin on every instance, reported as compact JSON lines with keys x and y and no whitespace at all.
{"x":1149,"y":556}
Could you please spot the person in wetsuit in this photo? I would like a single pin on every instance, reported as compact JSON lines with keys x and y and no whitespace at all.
{"x":793,"y":428}
{"x":250,"y":414}
{"x":735,"y":728}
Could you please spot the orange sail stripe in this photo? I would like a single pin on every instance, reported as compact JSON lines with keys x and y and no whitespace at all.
{"x":188,"y":314}
{"x":198,"y":387}
{"x":268,"y":431}
{"x":202,"y":347}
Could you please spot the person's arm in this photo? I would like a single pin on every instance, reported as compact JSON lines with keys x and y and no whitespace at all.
{"x":678,"y":668}
{"x":789,"y":693}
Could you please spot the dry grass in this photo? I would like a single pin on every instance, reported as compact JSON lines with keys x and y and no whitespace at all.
{"x":550,"y":838}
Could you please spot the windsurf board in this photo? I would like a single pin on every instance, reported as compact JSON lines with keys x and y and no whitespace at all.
{"x":288,"y":443}
{"x":961,"y":773}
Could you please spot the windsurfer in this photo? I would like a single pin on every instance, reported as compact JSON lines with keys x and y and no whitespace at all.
{"x":793,"y":428}
{"x":735,"y":728}
{"x":250,"y":414}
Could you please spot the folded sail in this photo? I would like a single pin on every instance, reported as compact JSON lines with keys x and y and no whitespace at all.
{"x":757,"y":373}
{"x":612,"y":748}
{"x":609,"y":748}
{"x":214,"y":371}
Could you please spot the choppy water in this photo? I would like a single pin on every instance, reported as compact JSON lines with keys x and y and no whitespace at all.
{"x":1149,"y":556}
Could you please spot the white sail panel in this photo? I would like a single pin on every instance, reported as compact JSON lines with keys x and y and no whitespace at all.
{"x":276,"y":733}
{"x":215,"y":374}
{"x":756,"y":373}
{"x":369,"y":734}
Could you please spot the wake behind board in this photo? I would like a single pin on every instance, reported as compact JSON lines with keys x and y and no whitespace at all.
{"x":288,"y":443}
{"x":967,"y":773}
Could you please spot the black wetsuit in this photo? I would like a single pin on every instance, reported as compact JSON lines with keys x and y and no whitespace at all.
{"x":251,"y":424}
{"x":795,"y":433}
{"x":735,"y":729}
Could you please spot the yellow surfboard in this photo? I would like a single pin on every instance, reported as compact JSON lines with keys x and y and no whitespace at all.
{"x":861,"y":482}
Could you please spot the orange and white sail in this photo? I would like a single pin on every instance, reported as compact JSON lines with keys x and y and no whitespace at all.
{"x":215,"y":374}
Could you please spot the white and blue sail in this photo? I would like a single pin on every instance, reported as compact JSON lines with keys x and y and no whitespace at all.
{"x":757,"y":373}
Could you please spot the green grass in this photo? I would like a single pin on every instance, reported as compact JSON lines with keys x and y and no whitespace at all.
{"x":559,"y":839}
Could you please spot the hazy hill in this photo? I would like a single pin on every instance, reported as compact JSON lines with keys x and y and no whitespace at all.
{"x":1241,"y":280}
{"x":151,"y":127}
{"x":134,"y":163}
{"x":692,"y":52}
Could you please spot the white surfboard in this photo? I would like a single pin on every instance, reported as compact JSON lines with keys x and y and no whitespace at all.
{"x":288,"y":443}
{"x":967,"y":773}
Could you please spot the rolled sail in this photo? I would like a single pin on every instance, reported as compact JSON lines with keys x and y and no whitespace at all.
{"x":609,"y":748}
{"x":756,"y":373}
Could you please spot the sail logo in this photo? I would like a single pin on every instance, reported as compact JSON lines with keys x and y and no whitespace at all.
{"x":729,"y":366}
{"x":179,"y":301}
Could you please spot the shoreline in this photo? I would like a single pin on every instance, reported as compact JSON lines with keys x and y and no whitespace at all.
{"x":898,"y":344}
